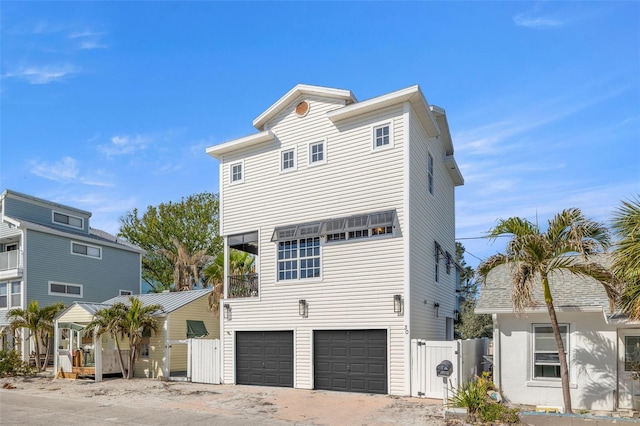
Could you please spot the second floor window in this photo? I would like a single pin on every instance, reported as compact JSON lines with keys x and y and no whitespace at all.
{"x":299,"y":259}
{"x":86,"y":250}
{"x":381,"y":136}
{"x":73,"y":290}
{"x":317,"y":153}
{"x":288,"y":160}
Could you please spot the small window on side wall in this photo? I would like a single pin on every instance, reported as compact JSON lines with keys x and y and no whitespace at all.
{"x":236,"y":172}
{"x":382,"y":137}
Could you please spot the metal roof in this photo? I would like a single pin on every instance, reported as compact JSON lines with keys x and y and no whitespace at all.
{"x":170,"y":301}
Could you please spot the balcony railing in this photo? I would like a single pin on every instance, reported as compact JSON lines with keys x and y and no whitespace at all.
{"x":243,"y":285}
{"x":10,"y":260}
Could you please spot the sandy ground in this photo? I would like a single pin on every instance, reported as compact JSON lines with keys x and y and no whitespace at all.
{"x":250,"y":403}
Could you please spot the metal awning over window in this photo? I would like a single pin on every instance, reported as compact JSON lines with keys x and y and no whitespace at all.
{"x":247,"y":242}
{"x":332,"y":226}
{"x":196,"y":329}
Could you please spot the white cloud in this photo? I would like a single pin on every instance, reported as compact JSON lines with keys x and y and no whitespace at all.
{"x":44,"y":74}
{"x":65,"y":169}
{"x":124,"y":144}
{"x":87,"y":40}
{"x":87,"y":33}
{"x":525,"y":20}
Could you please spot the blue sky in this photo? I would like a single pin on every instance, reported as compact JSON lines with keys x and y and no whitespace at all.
{"x":109,"y":106}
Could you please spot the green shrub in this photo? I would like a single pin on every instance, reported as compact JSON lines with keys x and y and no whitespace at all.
{"x":473,"y":396}
{"x":11,"y":364}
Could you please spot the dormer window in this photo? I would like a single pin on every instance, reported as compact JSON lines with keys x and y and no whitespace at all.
{"x":68,"y":220}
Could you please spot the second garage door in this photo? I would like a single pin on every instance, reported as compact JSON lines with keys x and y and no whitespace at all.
{"x":264,"y":358}
{"x":350,"y":360}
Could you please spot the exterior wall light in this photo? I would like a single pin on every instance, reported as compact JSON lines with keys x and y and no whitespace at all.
{"x":436,"y":307}
{"x":397,"y":304}
{"x":303,"y":308}
{"x":227,"y":311}
{"x":456,"y":314}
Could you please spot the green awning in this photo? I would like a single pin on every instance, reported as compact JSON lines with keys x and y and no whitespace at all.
{"x":196,"y":329}
{"x":71,"y":325}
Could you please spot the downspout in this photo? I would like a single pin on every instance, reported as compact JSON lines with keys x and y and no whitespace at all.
{"x":225,"y":266}
{"x":167,"y":350}
{"x":56,"y":336}
{"x":497,"y":373}
{"x":23,"y":297}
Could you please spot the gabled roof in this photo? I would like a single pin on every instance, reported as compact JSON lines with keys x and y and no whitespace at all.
{"x":170,"y":301}
{"x":569,"y":291}
{"x":96,"y":236}
{"x":299,"y":90}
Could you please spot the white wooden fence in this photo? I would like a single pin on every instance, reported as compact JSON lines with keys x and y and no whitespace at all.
{"x":204,"y":360}
{"x":466,"y":356}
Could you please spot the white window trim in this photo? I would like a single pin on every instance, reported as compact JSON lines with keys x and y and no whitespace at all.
{"x":374,"y":126}
{"x":122,"y":292}
{"x":299,"y":280}
{"x":53,"y":215}
{"x":532,"y":355}
{"x":9,"y":294}
{"x":295,"y":160}
{"x":88,"y":246}
{"x":53,"y":293}
{"x":324,"y":152}
{"x":239,"y":181}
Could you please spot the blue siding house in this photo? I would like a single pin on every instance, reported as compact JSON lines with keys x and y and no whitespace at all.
{"x":50,"y":253}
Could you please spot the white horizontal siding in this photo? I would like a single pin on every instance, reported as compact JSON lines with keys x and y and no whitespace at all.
{"x":359,"y":278}
{"x":432,"y":219}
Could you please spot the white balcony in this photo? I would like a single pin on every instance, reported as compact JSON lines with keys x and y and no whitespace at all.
{"x":11,"y":264}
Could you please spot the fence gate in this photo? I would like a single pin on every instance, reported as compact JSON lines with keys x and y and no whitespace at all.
{"x":204,"y":360}
{"x":466,"y":356}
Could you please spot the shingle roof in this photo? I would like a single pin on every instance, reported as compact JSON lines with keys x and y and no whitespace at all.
{"x":170,"y":301}
{"x":568,"y":291}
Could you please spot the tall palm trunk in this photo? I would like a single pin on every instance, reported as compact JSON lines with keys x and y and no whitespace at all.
{"x":122,"y":369}
{"x":564,"y":369}
{"x":37,"y":357}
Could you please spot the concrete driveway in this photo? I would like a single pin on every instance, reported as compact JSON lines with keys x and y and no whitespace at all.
{"x":44,"y":401}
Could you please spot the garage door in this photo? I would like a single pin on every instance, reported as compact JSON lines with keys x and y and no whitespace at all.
{"x":350,"y":360}
{"x":264,"y":358}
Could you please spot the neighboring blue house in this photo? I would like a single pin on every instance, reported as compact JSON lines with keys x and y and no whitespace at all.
{"x":49,"y":253}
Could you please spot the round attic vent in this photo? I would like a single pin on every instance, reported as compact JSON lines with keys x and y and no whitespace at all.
{"x":302,"y":109}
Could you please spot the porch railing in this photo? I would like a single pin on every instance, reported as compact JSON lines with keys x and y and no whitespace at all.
{"x":10,"y":260}
{"x":243,"y":285}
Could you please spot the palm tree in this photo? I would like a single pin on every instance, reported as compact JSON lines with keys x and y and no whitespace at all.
{"x":136,"y":320}
{"x":187,"y":266}
{"x":626,"y":256}
{"x":534,"y":256}
{"x":126,"y":321}
{"x":39,"y":322}
{"x":241,"y":263}
{"x":109,"y":321}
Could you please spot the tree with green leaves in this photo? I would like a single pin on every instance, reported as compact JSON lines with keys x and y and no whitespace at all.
{"x":39,"y":324}
{"x":626,"y":255}
{"x":126,"y":320}
{"x":469,"y":325}
{"x":533,"y":256}
{"x":179,"y":239}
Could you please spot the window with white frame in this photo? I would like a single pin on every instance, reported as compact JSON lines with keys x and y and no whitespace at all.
{"x":317,"y":153}
{"x":382,"y":136}
{"x":86,"y":250}
{"x":430,"y":173}
{"x":288,"y":160}
{"x":299,"y":259}
{"x":64,"y":289}
{"x":546,"y":360}
{"x":65,"y":219}
{"x":10,"y":294}
{"x":237,"y":172}
{"x":144,"y":348}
